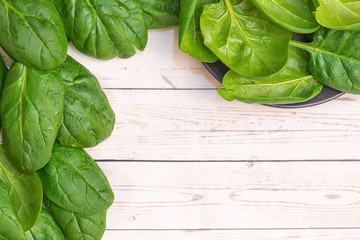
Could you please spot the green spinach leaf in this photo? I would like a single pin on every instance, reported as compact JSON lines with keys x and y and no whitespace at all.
{"x":78,"y":226}
{"x":160,"y":13}
{"x":335,"y":58}
{"x":73,"y":181}
{"x":243,"y":38}
{"x":3,"y":73}
{"x":294,"y":15}
{"x":316,"y":3}
{"x":88,"y":118}
{"x":45,"y":228}
{"x":339,"y":14}
{"x":191,"y":40}
{"x":25,"y":190}
{"x":292,"y":84}
{"x":32,"y":33}
{"x":104,"y":29}
{"x":31,"y":108}
{"x":9,"y":220}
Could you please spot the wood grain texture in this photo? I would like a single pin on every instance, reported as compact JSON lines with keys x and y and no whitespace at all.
{"x":160,"y":65}
{"x":200,"y":125}
{"x":234,"y":195}
{"x":326,"y":234}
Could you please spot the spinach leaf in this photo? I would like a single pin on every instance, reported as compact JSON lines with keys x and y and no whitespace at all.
{"x":191,"y":40}
{"x":25,"y":190}
{"x":78,"y":226}
{"x":88,"y":118}
{"x":58,"y":5}
{"x":3,"y":73}
{"x":294,"y":15}
{"x":335,"y":58}
{"x":31,"y":108}
{"x":339,"y":14}
{"x":73,"y":181}
{"x":316,"y":3}
{"x":45,"y":228}
{"x":160,"y":13}
{"x":104,"y":29}
{"x":32,"y":33}
{"x":243,"y":38}
{"x":9,"y":220}
{"x":292,"y":84}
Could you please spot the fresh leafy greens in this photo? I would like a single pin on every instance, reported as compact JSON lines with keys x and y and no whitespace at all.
{"x":25,"y":190}
{"x":190,"y":36}
{"x":3,"y":73}
{"x":294,"y":15}
{"x":292,"y":84}
{"x":32,"y":33}
{"x":105,"y":29}
{"x":88,"y":118}
{"x":9,"y":220}
{"x":243,"y":38}
{"x":335,"y":58}
{"x":78,"y":226}
{"x":31,"y":108}
{"x":339,"y":14}
{"x":160,"y":13}
{"x":73,"y":181}
{"x":45,"y":228}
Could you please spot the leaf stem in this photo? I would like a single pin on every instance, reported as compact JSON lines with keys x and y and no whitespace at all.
{"x":298,"y":44}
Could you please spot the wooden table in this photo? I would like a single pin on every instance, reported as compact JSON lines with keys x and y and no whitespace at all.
{"x":186,"y":164}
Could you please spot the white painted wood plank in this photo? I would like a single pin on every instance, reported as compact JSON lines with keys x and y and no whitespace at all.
{"x":228,"y":145}
{"x":160,"y":65}
{"x":205,"y":110}
{"x":200,"y":125}
{"x":233,"y":195}
{"x":352,"y":234}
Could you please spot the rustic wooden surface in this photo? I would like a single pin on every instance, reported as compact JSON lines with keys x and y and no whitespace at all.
{"x":186,"y":164}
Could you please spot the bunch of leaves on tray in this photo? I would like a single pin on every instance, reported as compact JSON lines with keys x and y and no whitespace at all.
{"x":51,"y":106}
{"x":254,"y":39}
{"x":109,"y":28}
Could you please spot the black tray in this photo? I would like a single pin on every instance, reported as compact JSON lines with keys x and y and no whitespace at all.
{"x":218,"y":70}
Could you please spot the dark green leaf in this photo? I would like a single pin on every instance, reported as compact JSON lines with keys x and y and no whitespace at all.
{"x":3,"y":73}
{"x":58,"y":5}
{"x":31,"y":32}
{"x":191,"y":40}
{"x":292,"y":84}
{"x":73,"y":181}
{"x":11,"y":228}
{"x":25,"y":190}
{"x":335,"y":58}
{"x":338,"y":14}
{"x":45,"y":228}
{"x":88,"y":118}
{"x":243,"y":38}
{"x":31,"y":109}
{"x":78,"y":226}
{"x":160,"y":13}
{"x":104,"y":29}
{"x":316,"y":3}
{"x":294,"y":15}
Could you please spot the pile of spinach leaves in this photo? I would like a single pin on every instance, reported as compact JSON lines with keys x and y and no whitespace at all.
{"x":51,"y":107}
{"x":254,"y":38}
